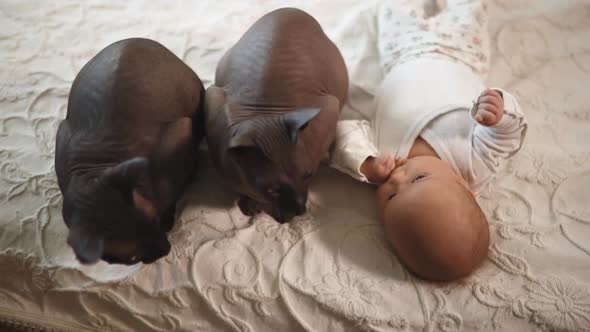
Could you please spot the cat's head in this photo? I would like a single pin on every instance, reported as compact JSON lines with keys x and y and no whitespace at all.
{"x":109,"y":219}
{"x":275,"y":158}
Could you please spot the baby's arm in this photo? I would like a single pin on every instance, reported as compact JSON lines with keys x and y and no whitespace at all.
{"x":355,"y":154}
{"x":501,"y":130}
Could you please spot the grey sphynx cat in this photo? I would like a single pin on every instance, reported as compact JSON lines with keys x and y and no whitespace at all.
{"x":125,"y":151}
{"x":271,"y":115}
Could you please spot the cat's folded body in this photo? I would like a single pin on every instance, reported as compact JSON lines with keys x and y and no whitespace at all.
{"x":272,"y":113}
{"x":125,"y":151}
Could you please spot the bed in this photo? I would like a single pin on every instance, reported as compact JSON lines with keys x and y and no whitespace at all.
{"x":331,"y":269}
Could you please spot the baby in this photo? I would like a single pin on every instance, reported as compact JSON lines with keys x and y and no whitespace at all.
{"x":435,"y":137}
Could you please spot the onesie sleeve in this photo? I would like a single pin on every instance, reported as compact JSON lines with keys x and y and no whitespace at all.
{"x":353,"y":144}
{"x":493,"y":145}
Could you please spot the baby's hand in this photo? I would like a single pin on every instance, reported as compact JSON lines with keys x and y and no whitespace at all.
{"x":377,"y":169}
{"x":490,"y":108}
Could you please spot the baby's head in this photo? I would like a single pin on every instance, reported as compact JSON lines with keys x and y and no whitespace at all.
{"x":432,"y":219}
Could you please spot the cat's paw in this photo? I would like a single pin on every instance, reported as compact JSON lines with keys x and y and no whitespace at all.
{"x":248,"y":206}
{"x":167,"y":219}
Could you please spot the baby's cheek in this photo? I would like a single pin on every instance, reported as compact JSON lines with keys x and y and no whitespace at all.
{"x":389,"y":216}
{"x":382,"y":195}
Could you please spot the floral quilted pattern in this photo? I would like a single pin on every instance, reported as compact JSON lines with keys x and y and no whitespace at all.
{"x":330,"y":270}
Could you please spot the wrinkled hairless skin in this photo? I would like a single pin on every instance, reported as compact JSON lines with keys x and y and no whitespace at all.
{"x":125,"y":151}
{"x":271,"y":115}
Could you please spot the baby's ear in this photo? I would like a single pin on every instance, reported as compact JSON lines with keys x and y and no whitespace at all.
{"x":126,"y":175}
{"x":87,"y":246}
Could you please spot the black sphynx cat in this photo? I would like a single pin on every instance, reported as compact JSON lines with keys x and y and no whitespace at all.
{"x":125,"y":151}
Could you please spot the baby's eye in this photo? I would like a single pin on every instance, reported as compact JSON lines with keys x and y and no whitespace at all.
{"x":418,"y":178}
{"x":391,"y":196}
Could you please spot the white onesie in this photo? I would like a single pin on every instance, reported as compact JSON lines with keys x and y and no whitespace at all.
{"x":428,"y":91}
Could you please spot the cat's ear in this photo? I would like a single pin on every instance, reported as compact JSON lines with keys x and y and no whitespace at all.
{"x":243,"y":149}
{"x":298,"y":120}
{"x":126,"y":175}
{"x":87,"y":245}
{"x":240,"y":140}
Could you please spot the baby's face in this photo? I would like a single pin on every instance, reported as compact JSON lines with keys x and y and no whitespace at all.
{"x":413,"y":184}
{"x":435,"y":228}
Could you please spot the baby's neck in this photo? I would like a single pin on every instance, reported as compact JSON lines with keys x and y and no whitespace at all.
{"x":422,"y":148}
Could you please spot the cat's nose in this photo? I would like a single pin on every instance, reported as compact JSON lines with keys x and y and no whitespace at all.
{"x":156,"y":251}
{"x":300,"y":206}
{"x":164,"y":247}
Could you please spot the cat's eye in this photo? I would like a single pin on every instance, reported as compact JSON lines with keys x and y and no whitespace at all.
{"x":391,"y":196}
{"x":419,"y":177}
{"x":272,"y":191}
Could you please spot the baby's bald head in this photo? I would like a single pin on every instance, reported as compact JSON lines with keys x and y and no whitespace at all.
{"x":434,"y":223}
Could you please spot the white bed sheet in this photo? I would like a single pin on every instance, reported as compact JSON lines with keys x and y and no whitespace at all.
{"x":330,"y":270}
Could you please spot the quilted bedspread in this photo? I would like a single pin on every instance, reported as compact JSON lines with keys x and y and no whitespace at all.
{"x":330,"y":270}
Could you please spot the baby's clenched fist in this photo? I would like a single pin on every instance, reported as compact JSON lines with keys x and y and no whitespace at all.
{"x":377,"y":169}
{"x":490,"y":108}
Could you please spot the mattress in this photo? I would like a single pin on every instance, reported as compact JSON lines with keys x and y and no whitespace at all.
{"x":331,"y":269}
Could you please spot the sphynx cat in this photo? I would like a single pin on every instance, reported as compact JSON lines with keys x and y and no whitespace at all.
{"x":271,"y":115}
